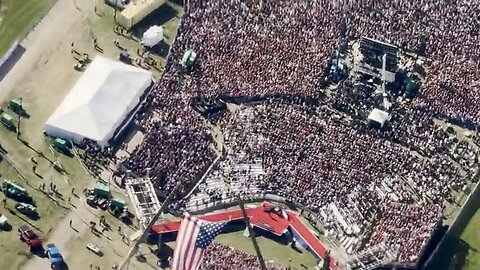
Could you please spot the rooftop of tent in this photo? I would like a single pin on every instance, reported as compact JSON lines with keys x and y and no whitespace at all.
{"x":99,"y":101}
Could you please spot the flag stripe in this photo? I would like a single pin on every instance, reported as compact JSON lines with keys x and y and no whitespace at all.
{"x":193,"y":238}
{"x":181,"y":234}
{"x":197,"y":259}
{"x":192,"y":253}
{"x":184,"y":246}
{"x":189,"y":248}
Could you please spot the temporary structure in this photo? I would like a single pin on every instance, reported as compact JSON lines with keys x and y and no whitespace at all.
{"x":102,"y":190}
{"x":152,"y":36}
{"x":378,"y":117}
{"x":99,"y":102}
{"x":136,"y":11}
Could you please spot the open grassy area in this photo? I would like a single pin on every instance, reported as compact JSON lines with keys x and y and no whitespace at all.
{"x":17,"y":17}
{"x":13,"y":250}
{"x":271,"y":250}
{"x":461,"y":252}
{"x":471,"y":235}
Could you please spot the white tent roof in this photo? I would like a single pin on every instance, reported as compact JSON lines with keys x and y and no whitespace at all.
{"x":152,"y":36}
{"x":379,"y":116}
{"x":99,"y":102}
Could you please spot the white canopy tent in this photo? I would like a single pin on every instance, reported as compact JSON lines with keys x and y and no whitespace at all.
{"x":152,"y":36}
{"x":378,"y":116}
{"x":99,"y":102}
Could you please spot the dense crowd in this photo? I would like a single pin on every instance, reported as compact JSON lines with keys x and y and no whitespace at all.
{"x":400,"y":221}
{"x":398,"y":177}
{"x":220,"y":257}
{"x":317,"y":158}
{"x":251,"y":50}
{"x":410,"y":126}
{"x":95,"y":157}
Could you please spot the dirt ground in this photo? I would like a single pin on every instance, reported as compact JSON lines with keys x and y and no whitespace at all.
{"x":42,"y":78}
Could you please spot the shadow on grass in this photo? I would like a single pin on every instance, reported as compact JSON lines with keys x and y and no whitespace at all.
{"x":453,"y":253}
{"x":178,"y":2}
{"x":163,"y":252}
{"x":452,"y":258}
{"x":161,"y":49}
{"x":13,"y":213}
{"x":39,"y":252}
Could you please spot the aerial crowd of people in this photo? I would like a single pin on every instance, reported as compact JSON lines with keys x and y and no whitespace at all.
{"x":391,"y":183}
{"x":318,"y":158}
{"x":221,"y":257}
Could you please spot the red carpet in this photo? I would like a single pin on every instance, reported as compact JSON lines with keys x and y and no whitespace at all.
{"x":264,"y":217}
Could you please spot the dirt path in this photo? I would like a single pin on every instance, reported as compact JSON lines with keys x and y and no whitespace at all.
{"x":38,"y":76}
{"x":59,"y":27}
{"x":64,"y":236}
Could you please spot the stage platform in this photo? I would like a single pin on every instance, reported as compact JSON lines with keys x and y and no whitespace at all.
{"x":268,"y":218}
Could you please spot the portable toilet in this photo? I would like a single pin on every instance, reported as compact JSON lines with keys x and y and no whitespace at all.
{"x":60,"y":145}
{"x":188,"y":59}
{"x":102,"y":190}
{"x":413,"y":85}
{"x":7,"y":120}
{"x":117,"y":202}
{"x":16,"y":105}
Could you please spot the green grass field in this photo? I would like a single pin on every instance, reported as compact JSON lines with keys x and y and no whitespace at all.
{"x":461,"y":252}
{"x":17,"y":17}
{"x":271,"y":250}
{"x":471,"y":236}
{"x":15,"y":251}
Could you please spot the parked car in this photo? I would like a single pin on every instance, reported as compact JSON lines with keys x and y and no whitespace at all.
{"x":95,"y":249}
{"x":56,"y":259}
{"x":26,"y":234}
{"x":27,"y":209}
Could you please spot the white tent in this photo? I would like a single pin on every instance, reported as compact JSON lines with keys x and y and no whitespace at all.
{"x":152,"y":36}
{"x":99,"y":102}
{"x":378,"y":116}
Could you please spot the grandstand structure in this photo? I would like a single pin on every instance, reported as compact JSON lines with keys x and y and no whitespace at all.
{"x":142,"y":194}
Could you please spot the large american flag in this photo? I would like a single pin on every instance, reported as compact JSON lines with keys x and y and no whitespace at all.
{"x":193,"y":237}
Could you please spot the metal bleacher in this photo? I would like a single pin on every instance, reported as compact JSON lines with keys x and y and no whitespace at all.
{"x":229,"y":178}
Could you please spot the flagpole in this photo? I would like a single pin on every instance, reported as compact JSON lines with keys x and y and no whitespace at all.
{"x":252,"y":234}
{"x":141,"y":239}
